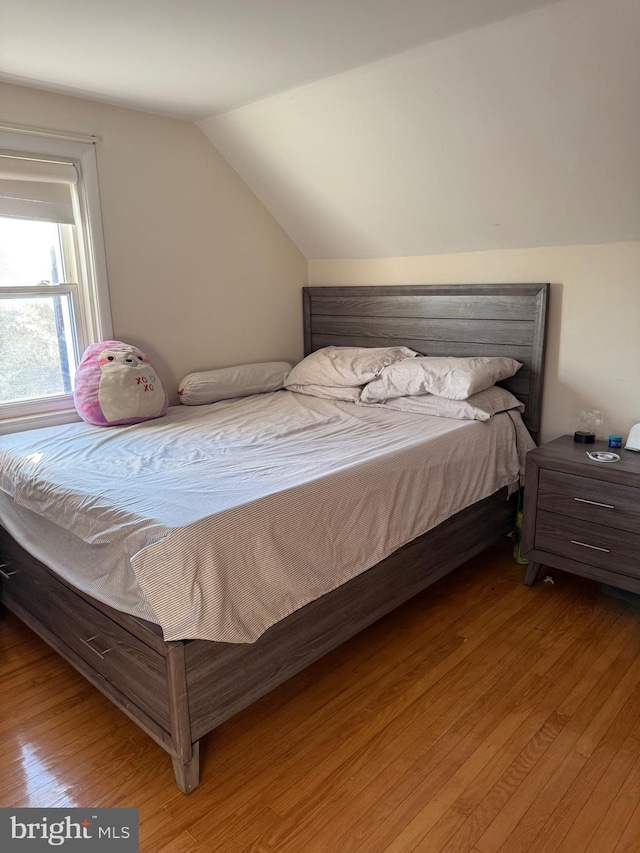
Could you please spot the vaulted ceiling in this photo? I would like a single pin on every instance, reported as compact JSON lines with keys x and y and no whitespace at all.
{"x":197,"y":58}
{"x":518,"y":134}
{"x":377,"y":128}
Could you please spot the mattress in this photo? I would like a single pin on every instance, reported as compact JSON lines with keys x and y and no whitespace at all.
{"x":216,"y":522}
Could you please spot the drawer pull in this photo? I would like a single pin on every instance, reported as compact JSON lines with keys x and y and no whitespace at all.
{"x":594,"y":503}
{"x":595,"y":547}
{"x":88,"y":642}
{"x":7,"y":575}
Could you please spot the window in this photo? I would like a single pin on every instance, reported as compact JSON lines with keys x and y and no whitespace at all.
{"x":53,"y":289}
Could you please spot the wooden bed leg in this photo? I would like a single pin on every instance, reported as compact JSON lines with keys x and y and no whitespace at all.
{"x":530,"y":574}
{"x":188,"y":773}
{"x":186,"y":761}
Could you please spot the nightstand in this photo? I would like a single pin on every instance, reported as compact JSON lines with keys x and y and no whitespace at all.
{"x":582,"y":516}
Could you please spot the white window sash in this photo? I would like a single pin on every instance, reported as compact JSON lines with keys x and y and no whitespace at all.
{"x":51,"y":402}
{"x":39,"y":290}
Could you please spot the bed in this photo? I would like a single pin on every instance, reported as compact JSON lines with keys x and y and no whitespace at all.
{"x":179,"y":690}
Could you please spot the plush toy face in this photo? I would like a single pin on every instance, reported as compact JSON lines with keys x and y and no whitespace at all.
{"x":116,"y":384}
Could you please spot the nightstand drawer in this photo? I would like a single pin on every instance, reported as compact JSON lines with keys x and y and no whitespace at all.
{"x":593,"y":544}
{"x":611,"y":504}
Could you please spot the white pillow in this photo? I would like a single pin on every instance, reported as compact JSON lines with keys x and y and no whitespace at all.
{"x":453,"y":378}
{"x":345,"y":366}
{"x":329,"y":392}
{"x":478,"y":407}
{"x":209,"y":386}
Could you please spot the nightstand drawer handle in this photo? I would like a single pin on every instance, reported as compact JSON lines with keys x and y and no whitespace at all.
{"x":7,"y":575}
{"x":595,"y":547}
{"x":594,"y":503}
{"x":87,"y":643}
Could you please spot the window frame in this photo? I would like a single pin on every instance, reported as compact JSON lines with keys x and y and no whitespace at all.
{"x":92,"y":289}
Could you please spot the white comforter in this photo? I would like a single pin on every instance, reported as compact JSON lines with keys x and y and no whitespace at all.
{"x":226,"y":518}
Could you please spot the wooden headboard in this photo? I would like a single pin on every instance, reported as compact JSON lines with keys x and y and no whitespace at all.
{"x":458,"y":320}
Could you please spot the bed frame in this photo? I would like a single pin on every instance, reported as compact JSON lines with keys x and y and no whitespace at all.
{"x":178,"y":692}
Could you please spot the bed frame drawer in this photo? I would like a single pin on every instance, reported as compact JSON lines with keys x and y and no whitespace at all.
{"x":133,"y":668}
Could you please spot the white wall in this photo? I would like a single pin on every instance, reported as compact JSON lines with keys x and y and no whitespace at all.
{"x":506,"y":153}
{"x":593,"y":353}
{"x":521,"y":133}
{"x":200,"y":274}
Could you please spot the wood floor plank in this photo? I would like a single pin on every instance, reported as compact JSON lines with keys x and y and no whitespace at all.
{"x":613,"y":825}
{"x":183,"y":843}
{"x":629,"y":840}
{"x":500,"y":829}
{"x":453,"y":678}
{"x":404,"y":759}
{"x":375,"y":815}
{"x":571,"y":661}
{"x":590,"y":795}
{"x":575,"y":654}
{"x":580,"y":812}
{"x":536,"y":816}
{"x":244,"y":835}
{"x":465,"y":815}
{"x":428,"y":817}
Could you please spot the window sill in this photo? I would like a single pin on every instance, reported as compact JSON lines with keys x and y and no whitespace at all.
{"x":20,"y":423}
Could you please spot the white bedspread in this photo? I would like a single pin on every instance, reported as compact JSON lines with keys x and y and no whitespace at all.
{"x":229,"y":517}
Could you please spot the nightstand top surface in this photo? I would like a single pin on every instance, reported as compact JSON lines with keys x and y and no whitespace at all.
{"x":566,"y":450}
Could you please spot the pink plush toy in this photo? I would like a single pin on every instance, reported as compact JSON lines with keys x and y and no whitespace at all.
{"x":116,"y":384}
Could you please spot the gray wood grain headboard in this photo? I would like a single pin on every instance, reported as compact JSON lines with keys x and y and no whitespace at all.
{"x":457,"y":320}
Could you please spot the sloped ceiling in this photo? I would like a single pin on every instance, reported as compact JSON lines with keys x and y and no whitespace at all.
{"x":377,"y":128}
{"x":521,"y":133}
{"x":196,"y":58}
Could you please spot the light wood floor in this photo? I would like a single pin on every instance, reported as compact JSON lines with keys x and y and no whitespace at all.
{"x":482,"y":717}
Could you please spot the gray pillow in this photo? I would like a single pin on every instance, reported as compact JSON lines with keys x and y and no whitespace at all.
{"x":478,"y":407}
{"x":347,"y":367}
{"x":453,"y":378}
{"x":242,"y":380}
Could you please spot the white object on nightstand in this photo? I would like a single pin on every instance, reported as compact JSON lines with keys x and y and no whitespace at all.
{"x":633,"y":439}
